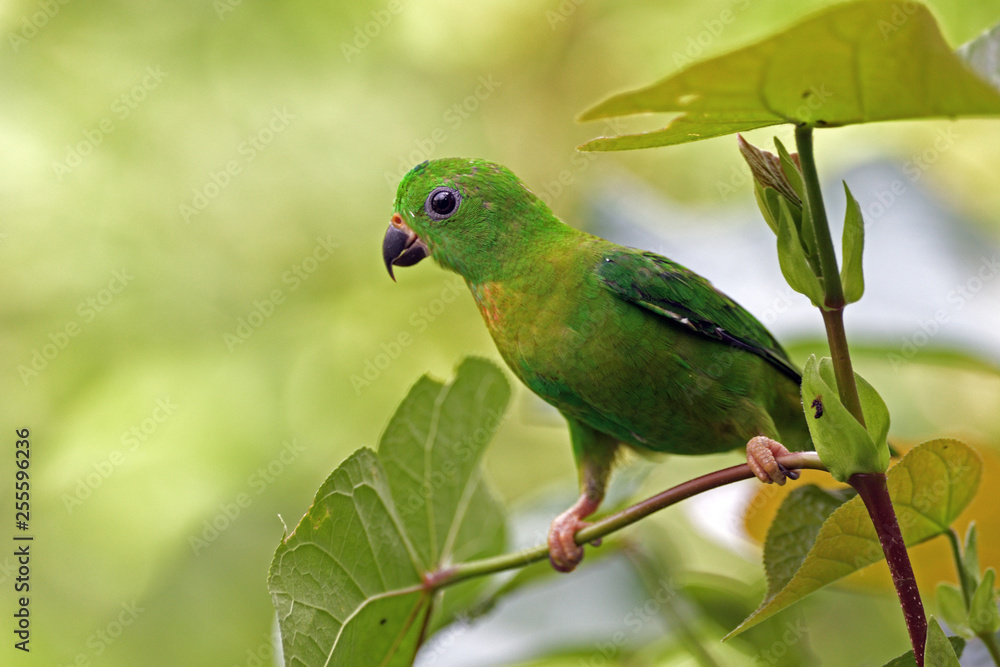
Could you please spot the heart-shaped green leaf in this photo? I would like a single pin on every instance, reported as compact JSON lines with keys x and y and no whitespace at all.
{"x":348,"y":583}
{"x":929,"y":487}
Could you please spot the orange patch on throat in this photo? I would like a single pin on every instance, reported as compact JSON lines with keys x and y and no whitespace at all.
{"x":487,"y":298}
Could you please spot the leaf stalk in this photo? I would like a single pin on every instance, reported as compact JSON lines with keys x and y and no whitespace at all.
{"x":595,"y":531}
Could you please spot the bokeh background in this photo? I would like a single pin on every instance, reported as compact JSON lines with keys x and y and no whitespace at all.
{"x":197,"y":325}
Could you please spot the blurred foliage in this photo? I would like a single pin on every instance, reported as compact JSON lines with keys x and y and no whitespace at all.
{"x":166,"y":452}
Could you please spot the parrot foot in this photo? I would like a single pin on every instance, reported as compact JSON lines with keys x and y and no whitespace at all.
{"x":760,"y":457}
{"x":564,"y":553}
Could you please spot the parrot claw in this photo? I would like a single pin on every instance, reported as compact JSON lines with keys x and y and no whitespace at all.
{"x":761,"y":453}
{"x":564,"y":553}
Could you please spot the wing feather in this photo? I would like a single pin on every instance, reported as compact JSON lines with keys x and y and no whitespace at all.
{"x":678,"y":294}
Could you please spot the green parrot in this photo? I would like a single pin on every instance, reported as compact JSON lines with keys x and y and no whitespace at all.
{"x":633,"y":349}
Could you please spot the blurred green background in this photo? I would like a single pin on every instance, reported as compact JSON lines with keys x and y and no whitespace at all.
{"x":198,"y":327}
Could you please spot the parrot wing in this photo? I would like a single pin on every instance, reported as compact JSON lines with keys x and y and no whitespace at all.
{"x":678,"y":294}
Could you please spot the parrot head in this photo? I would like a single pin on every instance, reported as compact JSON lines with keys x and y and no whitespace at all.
{"x":470,"y":216}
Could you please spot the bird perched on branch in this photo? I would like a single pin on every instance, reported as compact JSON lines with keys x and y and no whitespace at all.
{"x":633,"y":349}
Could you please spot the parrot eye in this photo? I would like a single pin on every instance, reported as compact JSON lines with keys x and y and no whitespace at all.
{"x":442,"y":203}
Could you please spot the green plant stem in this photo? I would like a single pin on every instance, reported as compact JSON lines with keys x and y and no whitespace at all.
{"x":963,"y":576}
{"x":833,"y":310}
{"x":871,"y":487}
{"x":834,"y":291}
{"x":991,"y":645}
{"x":968,"y":588}
{"x":843,"y":369}
{"x":614,"y":522}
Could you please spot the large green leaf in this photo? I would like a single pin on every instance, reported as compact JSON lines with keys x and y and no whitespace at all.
{"x":930,"y":487}
{"x":431,"y":450}
{"x":794,"y":531}
{"x":348,"y":582}
{"x":854,"y":63}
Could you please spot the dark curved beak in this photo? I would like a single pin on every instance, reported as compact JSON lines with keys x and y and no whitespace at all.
{"x":401,"y":245}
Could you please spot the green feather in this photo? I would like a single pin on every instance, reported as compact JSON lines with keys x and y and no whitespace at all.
{"x":669,"y":289}
{"x":628,"y":345}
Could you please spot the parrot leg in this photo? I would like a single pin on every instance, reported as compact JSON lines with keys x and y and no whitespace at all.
{"x":595,"y":454}
{"x":564,"y":553}
{"x":760,"y":457}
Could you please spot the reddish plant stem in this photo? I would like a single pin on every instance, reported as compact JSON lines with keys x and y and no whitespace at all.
{"x":875,"y":494}
{"x":453,"y":574}
{"x":871,"y":487}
